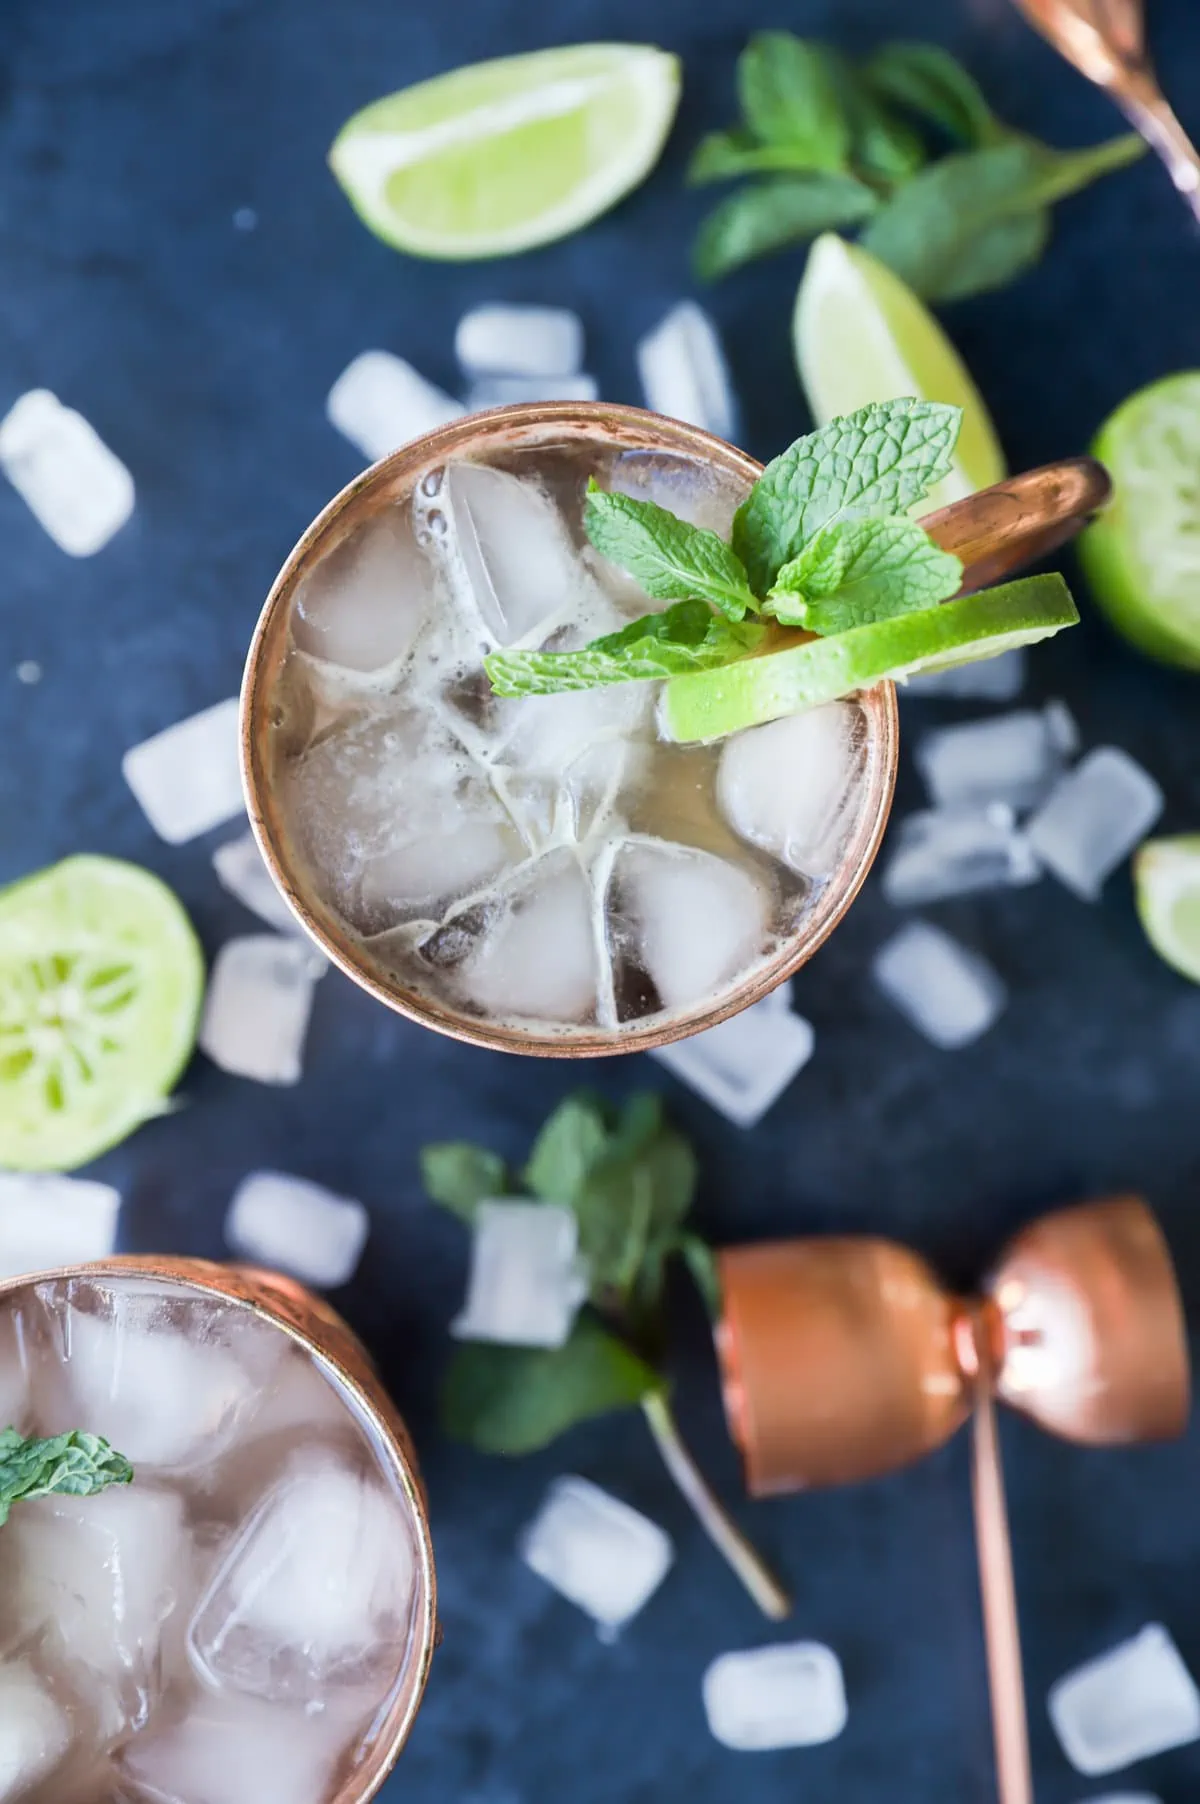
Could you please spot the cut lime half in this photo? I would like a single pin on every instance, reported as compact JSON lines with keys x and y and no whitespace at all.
{"x":1166,"y":875}
{"x":101,"y":980}
{"x":711,"y":703}
{"x":498,"y":157}
{"x":862,"y":335}
{"x":1142,"y":555}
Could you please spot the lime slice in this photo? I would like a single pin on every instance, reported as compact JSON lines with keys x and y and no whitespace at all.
{"x":1142,"y":555}
{"x":711,"y":703}
{"x":861,"y":335}
{"x":500,"y":156}
{"x":101,"y":979}
{"x":1166,"y":874}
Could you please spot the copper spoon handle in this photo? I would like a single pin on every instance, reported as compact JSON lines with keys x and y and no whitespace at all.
{"x":1010,"y":1727}
{"x":1143,"y":103}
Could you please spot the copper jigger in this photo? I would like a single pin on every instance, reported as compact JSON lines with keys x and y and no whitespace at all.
{"x":312,"y":1325}
{"x":993,"y":532}
{"x":843,"y":1359}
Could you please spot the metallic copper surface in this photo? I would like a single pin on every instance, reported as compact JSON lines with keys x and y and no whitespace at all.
{"x":315,"y":1327}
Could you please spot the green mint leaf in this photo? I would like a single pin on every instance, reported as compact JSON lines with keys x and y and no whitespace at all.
{"x":687,"y":636}
{"x":567,"y":1148}
{"x":670,"y":559}
{"x":632,"y":1202}
{"x":877,"y":461}
{"x":460,"y":1177}
{"x":723,"y":156}
{"x":701,"y":1261}
{"x":928,"y":81}
{"x":860,"y":571}
{"x":773,"y":215}
{"x":883,"y":147}
{"x":789,"y":95}
{"x":69,"y":1465}
{"x":516,"y":1399}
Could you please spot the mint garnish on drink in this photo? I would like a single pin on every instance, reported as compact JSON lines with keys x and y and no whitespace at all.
{"x":68,"y":1465}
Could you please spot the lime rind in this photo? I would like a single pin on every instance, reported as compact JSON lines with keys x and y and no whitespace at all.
{"x":1166,"y":874}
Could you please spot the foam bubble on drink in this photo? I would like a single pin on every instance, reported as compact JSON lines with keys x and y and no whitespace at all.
{"x":364,"y":605}
{"x":233,"y":1750}
{"x":240,"y":869}
{"x":688,"y":920}
{"x":293,"y":1225}
{"x":789,"y":787}
{"x":787,"y":1696}
{"x":75,"y":487}
{"x":684,"y":373}
{"x":380,"y":402}
{"x":1136,"y":1700}
{"x":187,"y":778}
{"x":256,"y":1012}
{"x":35,"y":1730}
{"x":597,"y":1551}
{"x":519,"y":341}
{"x":47,"y":1220}
{"x":279,"y":1623}
{"x":743,"y":1065}
{"x":527,"y":1280}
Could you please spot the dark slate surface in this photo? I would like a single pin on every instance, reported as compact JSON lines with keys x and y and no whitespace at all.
{"x":129,"y":134}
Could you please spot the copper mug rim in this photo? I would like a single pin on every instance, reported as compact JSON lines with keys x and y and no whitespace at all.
{"x":994,"y":531}
{"x":285,"y":1304}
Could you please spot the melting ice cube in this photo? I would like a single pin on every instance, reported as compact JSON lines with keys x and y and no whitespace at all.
{"x":34,"y":1730}
{"x":76,"y":488}
{"x":950,"y":995}
{"x":501,"y":391}
{"x":743,"y":1065}
{"x":689,"y":920}
{"x":258,"y":1004}
{"x":1136,"y":1700}
{"x":527,"y":1280}
{"x":316,"y":1592}
{"x":229,"y":1750}
{"x":788,"y":1696}
{"x":49,"y":1221}
{"x":292,"y":1225}
{"x":789,"y":787}
{"x":999,"y":679}
{"x":1094,"y":818}
{"x":186,"y":778}
{"x":598,"y":1552}
{"x":684,"y":373}
{"x":362,"y":607}
{"x":1012,"y":758}
{"x":955,"y":852}
{"x":519,"y":341}
{"x":240,"y":870}
{"x":515,"y":562}
{"x":379,"y":403}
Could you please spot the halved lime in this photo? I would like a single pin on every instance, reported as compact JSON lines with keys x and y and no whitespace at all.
{"x":1166,"y":875}
{"x":1142,"y":554}
{"x":862,"y":335}
{"x":500,"y":156}
{"x":101,"y":980}
{"x":711,"y":703}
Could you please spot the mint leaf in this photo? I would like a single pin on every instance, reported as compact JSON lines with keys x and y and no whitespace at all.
{"x":568,"y":1146}
{"x":877,"y":461}
{"x":670,"y":559}
{"x":931,"y":83}
{"x":516,"y":1399}
{"x":721,"y":156}
{"x":789,"y":95}
{"x":460,"y":1177}
{"x":859,"y":571}
{"x":774,"y":215}
{"x":632,"y":1202}
{"x":688,"y":636}
{"x":71,"y":1465}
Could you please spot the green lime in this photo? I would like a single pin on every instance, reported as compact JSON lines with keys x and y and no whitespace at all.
{"x":1142,"y":555}
{"x":500,"y":156}
{"x":101,"y":980}
{"x":862,"y":335}
{"x":1166,"y":875}
{"x":708,"y":704}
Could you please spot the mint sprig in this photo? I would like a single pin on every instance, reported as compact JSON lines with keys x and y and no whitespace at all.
{"x":70,"y":1465}
{"x":687,"y":636}
{"x":672,"y":560}
{"x":856,"y":572}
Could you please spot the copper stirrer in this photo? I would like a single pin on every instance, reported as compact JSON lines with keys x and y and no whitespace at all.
{"x":1080,"y":1326}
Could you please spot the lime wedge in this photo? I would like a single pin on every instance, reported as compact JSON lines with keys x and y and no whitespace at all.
{"x":711,"y":703}
{"x":1142,"y":555}
{"x":500,"y":156}
{"x":862,"y":335}
{"x":1166,"y":875}
{"x":101,"y":979}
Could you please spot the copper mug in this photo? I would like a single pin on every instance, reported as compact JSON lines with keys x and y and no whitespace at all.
{"x":993,"y":532}
{"x":319,"y":1331}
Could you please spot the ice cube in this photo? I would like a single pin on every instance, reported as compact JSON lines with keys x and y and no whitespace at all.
{"x":187,"y":778}
{"x":317,"y":1592}
{"x":425,"y":876}
{"x":228,"y":1750}
{"x":527,"y":1279}
{"x":14,"y":1378}
{"x":240,"y":870}
{"x":543,"y":735}
{"x":292,"y":1225}
{"x":519,"y":341}
{"x":699,"y":494}
{"x":691,"y":921}
{"x":299,"y":1403}
{"x":1012,"y":758}
{"x":1136,"y":1700}
{"x":75,"y":487}
{"x":502,"y":391}
{"x":257,"y":1008}
{"x":379,"y":403}
{"x":35,"y":1731}
{"x":684,"y":373}
{"x":950,"y":995}
{"x":789,"y":787}
{"x":1094,"y":818}
{"x":363,"y":605}
{"x":743,"y":1065}
{"x":516,"y":564}
{"x":598,"y":1552}
{"x":955,"y":852}
{"x":786,"y":1696}
{"x":999,"y":679}
{"x":47,"y":1221}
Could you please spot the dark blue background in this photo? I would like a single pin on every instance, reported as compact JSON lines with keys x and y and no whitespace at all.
{"x":129,"y":134}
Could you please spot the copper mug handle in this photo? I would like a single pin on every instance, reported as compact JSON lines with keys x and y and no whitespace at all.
{"x":1019,"y":520}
